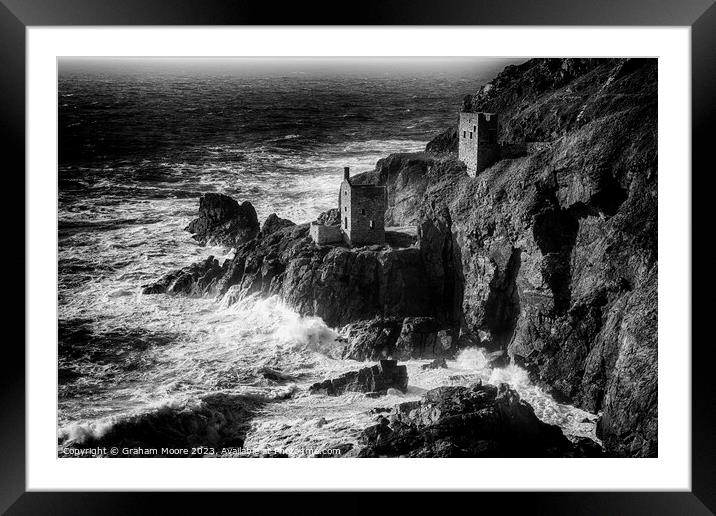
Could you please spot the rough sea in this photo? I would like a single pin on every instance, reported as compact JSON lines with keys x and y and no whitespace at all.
{"x":139,"y":142}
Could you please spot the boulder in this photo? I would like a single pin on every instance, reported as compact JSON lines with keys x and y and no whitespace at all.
{"x":196,"y":279}
{"x":273,"y":223}
{"x":387,"y":374}
{"x":223,"y":221}
{"x":477,"y":421}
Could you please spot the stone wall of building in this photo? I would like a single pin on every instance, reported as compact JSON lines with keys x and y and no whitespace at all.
{"x":367,"y":214}
{"x":323,"y":234}
{"x":344,"y":206}
{"x":477,"y":136}
{"x":467,"y":148}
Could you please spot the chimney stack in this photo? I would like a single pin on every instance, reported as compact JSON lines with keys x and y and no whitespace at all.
{"x":346,"y":172}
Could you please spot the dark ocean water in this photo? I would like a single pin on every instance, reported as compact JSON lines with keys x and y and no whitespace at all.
{"x":138,"y":145}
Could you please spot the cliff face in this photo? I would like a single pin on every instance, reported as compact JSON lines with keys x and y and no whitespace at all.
{"x":553,"y":255}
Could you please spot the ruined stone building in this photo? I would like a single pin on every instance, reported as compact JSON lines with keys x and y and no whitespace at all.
{"x":362,"y":212}
{"x":477,"y":135}
{"x":362,"y":209}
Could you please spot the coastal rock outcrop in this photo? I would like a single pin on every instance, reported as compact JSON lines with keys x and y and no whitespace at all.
{"x":195,"y":280}
{"x":477,"y":421}
{"x":223,"y":221}
{"x":377,"y":379}
{"x":399,"y":338}
{"x":339,"y":284}
{"x":273,"y":223}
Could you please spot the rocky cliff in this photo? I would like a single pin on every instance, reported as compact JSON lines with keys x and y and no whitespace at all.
{"x":549,"y":255}
{"x":337,"y":283}
{"x":552,"y":255}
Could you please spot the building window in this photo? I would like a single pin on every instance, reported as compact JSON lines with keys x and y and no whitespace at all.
{"x":345,"y":223}
{"x":345,"y":208}
{"x":371,"y":225}
{"x":464,"y":134}
{"x":471,"y":135}
{"x":362,"y":211}
{"x":474,"y":128}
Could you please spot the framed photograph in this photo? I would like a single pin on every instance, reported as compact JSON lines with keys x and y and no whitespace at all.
{"x":447,"y":246}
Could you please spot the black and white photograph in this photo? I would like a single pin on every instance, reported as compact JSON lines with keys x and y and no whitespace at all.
{"x":357,"y":257}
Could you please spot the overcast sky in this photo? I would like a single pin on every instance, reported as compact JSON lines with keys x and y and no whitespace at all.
{"x":283,"y":65}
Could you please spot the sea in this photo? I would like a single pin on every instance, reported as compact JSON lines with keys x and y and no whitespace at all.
{"x":140,"y":140}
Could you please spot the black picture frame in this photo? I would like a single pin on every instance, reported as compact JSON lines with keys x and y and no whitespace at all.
{"x":17,"y":15}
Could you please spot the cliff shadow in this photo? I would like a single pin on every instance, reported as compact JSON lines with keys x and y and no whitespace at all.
{"x":502,"y":308}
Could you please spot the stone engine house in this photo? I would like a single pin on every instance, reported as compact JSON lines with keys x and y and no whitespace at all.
{"x":478,"y":147}
{"x":362,"y":209}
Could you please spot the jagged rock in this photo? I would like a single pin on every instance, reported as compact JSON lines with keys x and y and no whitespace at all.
{"x":438,"y":363}
{"x":196,"y":279}
{"x":423,"y":337}
{"x":387,"y":374}
{"x":399,"y":338}
{"x":338,"y":284}
{"x":330,"y":217}
{"x":477,"y":421}
{"x":372,"y":340}
{"x":223,"y":221}
{"x":273,"y":223}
